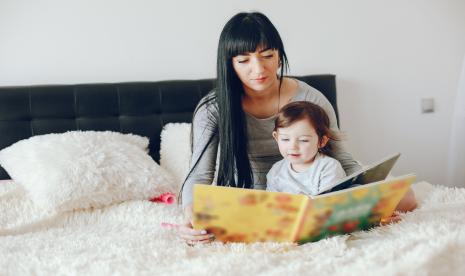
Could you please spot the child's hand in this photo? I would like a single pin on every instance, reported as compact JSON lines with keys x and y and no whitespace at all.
{"x":395,"y":217}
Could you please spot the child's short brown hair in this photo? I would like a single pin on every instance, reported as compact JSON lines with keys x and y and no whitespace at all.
{"x":316,"y":116}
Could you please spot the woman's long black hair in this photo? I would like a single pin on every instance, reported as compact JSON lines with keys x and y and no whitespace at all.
{"x":242,"y":34}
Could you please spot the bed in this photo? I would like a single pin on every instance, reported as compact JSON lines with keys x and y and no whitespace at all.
{"x":126,"y":237}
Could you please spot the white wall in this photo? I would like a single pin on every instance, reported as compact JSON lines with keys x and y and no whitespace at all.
{"x":387,"y":56}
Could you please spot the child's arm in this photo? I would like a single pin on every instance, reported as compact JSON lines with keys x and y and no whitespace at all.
{"x":271,"y":184}
{"x":331,"y":173}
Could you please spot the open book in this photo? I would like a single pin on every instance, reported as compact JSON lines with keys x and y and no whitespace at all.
{"x":375,"y":172}
{"x":246,"y":215}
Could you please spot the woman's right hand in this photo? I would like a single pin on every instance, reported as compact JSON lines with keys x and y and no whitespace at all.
{"x":189,"y":234}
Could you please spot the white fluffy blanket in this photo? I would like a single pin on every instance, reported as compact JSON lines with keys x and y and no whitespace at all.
{"x":127,"y":239}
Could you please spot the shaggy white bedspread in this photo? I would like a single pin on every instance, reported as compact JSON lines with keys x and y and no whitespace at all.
{"x":127,"y":239}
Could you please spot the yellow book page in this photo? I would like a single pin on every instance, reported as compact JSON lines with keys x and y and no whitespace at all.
{"x":246,"y":215}
{"x":358,"y":208}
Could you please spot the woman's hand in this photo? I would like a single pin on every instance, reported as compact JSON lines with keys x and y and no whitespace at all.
{"x":407,"y":203}
{"x":190,"y":235}
{"x":395,"y":217}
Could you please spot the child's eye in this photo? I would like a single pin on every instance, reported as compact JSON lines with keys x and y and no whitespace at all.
{"x":268,"y":56}
{"x":304,"y":141}
{"x":242,"y":61}
{"x":284,"y":139}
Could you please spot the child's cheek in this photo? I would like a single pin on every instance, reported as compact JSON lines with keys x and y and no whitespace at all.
{"x":282,"y":150}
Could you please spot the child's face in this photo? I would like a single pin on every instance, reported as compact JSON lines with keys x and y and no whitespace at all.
{"x":299,"y":142}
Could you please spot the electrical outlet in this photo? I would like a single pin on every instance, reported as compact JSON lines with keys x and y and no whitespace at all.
{"x":427,"y":105}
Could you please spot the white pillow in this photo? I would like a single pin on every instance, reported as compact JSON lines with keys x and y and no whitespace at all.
{"x":175,"y":151}
{"x":82,"y":169}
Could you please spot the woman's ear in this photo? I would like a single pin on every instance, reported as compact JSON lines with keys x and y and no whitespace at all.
{"x":324,"y":140}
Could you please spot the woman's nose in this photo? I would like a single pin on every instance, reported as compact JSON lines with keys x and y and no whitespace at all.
{"x":257,"y":66}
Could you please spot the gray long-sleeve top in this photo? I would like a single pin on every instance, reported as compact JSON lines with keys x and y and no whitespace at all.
{"x":262,"y":149}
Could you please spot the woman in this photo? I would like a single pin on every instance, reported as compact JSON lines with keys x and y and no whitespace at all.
{"x":236,"y":120}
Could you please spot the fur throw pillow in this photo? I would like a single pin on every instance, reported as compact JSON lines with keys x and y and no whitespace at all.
{"x":82,"y":169}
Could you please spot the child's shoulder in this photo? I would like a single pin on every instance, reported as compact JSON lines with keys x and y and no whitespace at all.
{"x":328,"y":161}
{"x":278,"y":166}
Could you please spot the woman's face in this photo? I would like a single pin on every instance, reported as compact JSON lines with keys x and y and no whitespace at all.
{"x":257,"y":70}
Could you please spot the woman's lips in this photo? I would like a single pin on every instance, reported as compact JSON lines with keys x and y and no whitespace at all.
{"x":294,"y":155}
{"x":262,"y":79}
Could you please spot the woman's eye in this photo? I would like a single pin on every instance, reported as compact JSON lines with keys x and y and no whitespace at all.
{"x":242,"y":60}
{"x":304,"y":141}
{"x":284,"y":139}
{"x":268,"y":56}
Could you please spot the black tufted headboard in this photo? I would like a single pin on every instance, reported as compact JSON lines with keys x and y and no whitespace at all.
{"x":135,"y":107}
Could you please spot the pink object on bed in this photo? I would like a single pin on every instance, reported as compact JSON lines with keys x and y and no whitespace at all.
{"x":168,"y":198}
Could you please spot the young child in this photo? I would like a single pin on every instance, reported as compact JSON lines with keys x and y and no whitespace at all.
{"x":302,"y":133}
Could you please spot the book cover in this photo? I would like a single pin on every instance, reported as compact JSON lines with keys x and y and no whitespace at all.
{"x":369,"y":174}
{"x":246,"y":215}
{"x":346,"y":211}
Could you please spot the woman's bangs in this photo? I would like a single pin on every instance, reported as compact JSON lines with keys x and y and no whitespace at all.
{"x":247,"y":39}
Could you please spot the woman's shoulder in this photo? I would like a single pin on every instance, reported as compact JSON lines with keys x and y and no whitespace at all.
{"x":308,"y":93}
{"x":305,"y":92}
{"x":207,"y":105}
{"x":209,"y":100}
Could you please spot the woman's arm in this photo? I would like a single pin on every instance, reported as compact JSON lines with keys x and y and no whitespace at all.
{"x":338,"y":149}
{"x":204,"y":152}
{"x":202,"y":170}
{"x":339,"y":152}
